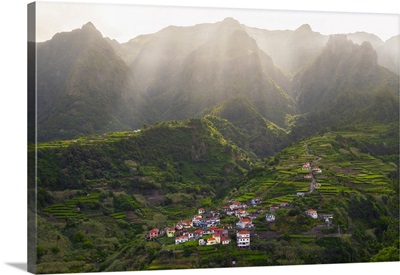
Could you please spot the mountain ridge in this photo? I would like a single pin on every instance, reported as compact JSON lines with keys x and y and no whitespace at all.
{"x":182,"y":72}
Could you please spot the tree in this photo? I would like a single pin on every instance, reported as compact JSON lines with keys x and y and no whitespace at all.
{"x":387,"y":254}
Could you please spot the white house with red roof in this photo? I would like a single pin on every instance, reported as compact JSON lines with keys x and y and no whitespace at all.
{"x":181,"y":239}
{"x":307,"y":176}
{"x":198,"y":234}
{"x":211,"y":241}
{"x":244,"y":223}
{"x":312,"y":213}
{"x":241,"y":213}
{"x":306,"y":166}
{"x":243,"y":239}
{"x":225,"y":241}
{"x":217,"y":237}
{"x":317,"y":170}
{"x":237,"y":205}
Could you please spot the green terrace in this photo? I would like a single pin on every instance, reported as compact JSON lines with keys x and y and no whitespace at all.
{"x":68,"y":209}
{"x":346,"y":170}
{"x":89,"y":140}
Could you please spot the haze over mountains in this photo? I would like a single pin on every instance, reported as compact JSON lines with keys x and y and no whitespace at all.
{"x":90,"y":84}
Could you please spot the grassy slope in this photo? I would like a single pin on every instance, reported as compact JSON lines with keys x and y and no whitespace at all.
{"x":163,"y":173}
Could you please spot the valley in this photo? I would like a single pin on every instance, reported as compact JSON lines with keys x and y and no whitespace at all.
{"x":109,"y":216}
{"x":214,"y":145}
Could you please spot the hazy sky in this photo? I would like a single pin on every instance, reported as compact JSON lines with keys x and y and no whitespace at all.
{"x":124,"y":22}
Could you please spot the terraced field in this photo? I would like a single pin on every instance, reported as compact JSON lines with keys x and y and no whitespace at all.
{"x":69,"y":208}
{"x":346,"y":169}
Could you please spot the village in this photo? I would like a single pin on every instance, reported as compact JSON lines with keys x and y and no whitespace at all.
{"x":206,"y":228}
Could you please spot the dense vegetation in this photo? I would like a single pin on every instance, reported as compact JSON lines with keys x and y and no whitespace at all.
{"x":99,"y":195}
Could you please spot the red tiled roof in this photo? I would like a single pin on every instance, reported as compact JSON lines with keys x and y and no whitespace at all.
{"x":198,"y":231}
{"x":210,"y":239}
{"x":243,"y":232}
{"x":216,"y":235}
{"x":245,"y":219}
{"x":311,"y":210}
{"x":155,"y":230}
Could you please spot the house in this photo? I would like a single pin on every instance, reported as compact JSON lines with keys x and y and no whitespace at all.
{"x":217,"y":237}
{"x":244,"y":223}
{"x":153,"y":233}
{"x":270,"y":217}
{"x":230,"y":212}
{"x":300,"y":194}
{"x":225,"y":241}
{"x":181,"y":239}
{"x":202,"y":242}
{"x":170,"y":232}
{"x":307,"y":176}
{"x":201,"y":211}
{"x":284,"y":204}
{"x":237,"y":205}
{"x":222,"y":231}
{"x":212,"y":229}
{"x":211,"y":241}
{"x":317,"y":170}
{"x":197,"y":221}
{"x":179,"y":226}
{"x":255,"y":201}
{"x":190,"y":235}
{"x":306,"y":166}
{"x":225,"y":208}
{"x":241,"y":213}
{"x":312,"y":213}
{"x":198,"y":234}
{"x":274,"y":208}
{"x":326,"y":217}
{"x":243,"y":239}
{"x":187,"y":224}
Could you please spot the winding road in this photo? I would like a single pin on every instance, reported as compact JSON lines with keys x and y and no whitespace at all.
{"x":313,"y":179}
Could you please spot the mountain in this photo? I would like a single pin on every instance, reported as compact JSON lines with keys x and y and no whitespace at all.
{"x":342,"y":67}
{"x":90,"y":84}
{"x":81,"y":83}
{"x":201,"y":66}
{"x":290,"y":50}
{"x":388,"y":54}
{"x":360,"y":37}
{"x":240,"y":122}
{"x":387,"y":51}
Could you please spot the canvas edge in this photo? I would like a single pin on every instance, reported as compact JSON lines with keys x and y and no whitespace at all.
{"x":31,"y":140}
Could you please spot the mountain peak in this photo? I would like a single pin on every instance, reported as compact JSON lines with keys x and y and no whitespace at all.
{"x":231,"y":20}
{"x":304,"y":28}
{"x":89,"y":25}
